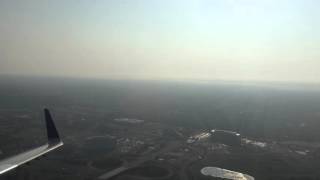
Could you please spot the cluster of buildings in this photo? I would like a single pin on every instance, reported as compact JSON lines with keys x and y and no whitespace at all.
{"x":218,"y":136}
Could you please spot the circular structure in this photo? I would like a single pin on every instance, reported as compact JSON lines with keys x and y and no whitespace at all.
{"x":226,"y":137}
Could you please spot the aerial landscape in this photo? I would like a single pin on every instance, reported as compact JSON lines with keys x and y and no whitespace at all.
{"x":162,"y":130}
{"x":159,"y":90}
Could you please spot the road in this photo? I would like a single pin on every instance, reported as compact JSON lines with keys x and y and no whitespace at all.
{"x":169,"y":147}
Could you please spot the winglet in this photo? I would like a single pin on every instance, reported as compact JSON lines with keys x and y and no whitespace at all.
{"x":54,"y":142}
{"x":53,"y":136}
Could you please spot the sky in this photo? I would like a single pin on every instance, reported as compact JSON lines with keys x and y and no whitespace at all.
{"x":246,"y":40}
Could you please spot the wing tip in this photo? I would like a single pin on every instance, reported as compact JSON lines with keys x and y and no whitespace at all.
{"x":53,"y":143}
{"x":46,"y":110}
{"x":52,"y":133}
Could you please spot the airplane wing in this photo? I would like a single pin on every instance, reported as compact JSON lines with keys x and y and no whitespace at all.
{"x":53,"y":143}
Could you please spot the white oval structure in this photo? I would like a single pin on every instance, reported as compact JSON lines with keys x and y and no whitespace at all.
{"x":224,"y":173}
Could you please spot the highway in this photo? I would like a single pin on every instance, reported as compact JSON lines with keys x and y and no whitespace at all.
{"x":169,"y":147}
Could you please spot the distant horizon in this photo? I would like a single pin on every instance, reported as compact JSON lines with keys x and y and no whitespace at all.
{"x":232,"y":40}
{"x":186,"y":80}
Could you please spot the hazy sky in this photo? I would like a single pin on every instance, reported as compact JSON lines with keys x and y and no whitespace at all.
{"x":189,"y":39}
